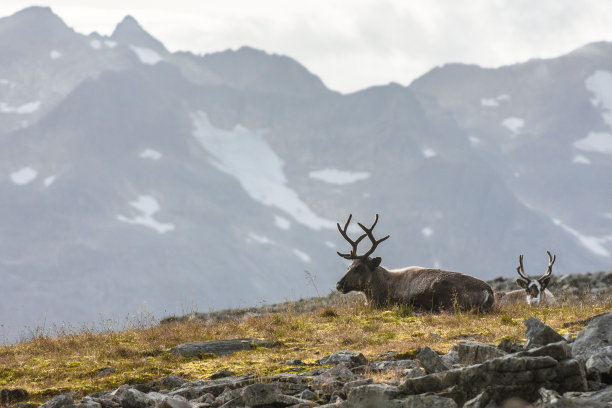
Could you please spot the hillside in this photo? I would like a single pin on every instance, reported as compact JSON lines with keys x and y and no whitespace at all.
{"x":136,"y":180}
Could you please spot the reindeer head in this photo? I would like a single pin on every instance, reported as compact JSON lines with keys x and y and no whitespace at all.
{"x":534,"y":287}
{"x":360,"y":272}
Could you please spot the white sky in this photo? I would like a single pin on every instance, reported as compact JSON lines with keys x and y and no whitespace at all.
{"x":353,"y":44}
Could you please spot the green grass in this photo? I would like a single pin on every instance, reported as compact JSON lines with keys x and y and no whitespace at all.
{"x":47,"y":366}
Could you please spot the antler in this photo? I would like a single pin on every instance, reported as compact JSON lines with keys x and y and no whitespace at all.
{"x":520,"y":270}
{"x":368,"y":232}
{"x":354,"y":244}
{"x":353,"y":253}
{"x":551,"y":261}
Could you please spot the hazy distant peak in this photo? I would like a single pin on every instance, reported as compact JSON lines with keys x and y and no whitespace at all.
{"x":42,"y":18}
{"x":129,"y":32}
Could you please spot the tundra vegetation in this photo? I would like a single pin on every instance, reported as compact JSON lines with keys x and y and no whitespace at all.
{"x":84,"y":361}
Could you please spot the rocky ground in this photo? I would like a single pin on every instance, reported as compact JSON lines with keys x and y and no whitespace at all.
{"x":548,"y":370}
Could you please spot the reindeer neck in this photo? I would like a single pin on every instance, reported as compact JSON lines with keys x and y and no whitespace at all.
{"x":379,"y":292}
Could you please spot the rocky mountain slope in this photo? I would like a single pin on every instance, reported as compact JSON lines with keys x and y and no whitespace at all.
{"x":134,"y":179}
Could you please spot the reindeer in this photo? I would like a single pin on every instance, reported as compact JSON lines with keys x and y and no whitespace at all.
{"x":534,"y":291}
{"x":423,"y":288}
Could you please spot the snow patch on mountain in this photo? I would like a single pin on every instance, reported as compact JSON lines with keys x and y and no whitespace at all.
{"x":24,"y":109}
{"x":282,"y":222}
{"x":146,"y":55}
{"x":600,"y":85}
{"x":427,"y":231}
{"x":513,"y":124}
{"x":580,"y":159}
{"x":147,"y":206}
{"x":600,"y":142}
{"x":303,"y":256}
{"x":593,"y":244}
{"x":110,"y":43}
{"x":429,"y":153}
{"x":150,"y":154}
{"x":246,"y":155}
{"x":259,"y":239}
{"x":55,"y":54}
{"x":23,"y":176}
{"x":493,"y":102}
{"x":49,"y":180}
{"x":95,"y":44}
{"x":474,"y":141}
{"x":335,"y":176}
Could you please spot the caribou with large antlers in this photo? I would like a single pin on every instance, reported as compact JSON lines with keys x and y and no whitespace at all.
{"x":423,"y":288}
{"x":534,"y":291}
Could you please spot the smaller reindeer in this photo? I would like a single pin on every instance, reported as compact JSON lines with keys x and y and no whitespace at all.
{"x":534,"y":291}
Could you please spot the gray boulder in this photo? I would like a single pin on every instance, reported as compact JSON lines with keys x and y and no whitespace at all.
{"x":473,"y":352}
{"x":351,"y":359}
{"x":132,"y":398}
{"x":508,"y":376}
{"x":387,"y":396}
{"x":431,"y":361}
{"x":597,"y":335}
{"x":599,"y":365}
{"x":60,"y":401}
{"x":217,"y":347}
{"x":540,"y":334}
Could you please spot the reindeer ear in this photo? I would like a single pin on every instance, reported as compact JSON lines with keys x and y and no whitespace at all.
{"x":544,"y":282}
{"x":376,"y":261}
{"x":522,"y":283}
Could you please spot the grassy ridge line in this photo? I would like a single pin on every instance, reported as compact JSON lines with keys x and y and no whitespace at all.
{"x":47,"y":366}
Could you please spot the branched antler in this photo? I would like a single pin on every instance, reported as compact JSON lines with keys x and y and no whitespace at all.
{"x":368,"y":233}
{"x":521,"y":271}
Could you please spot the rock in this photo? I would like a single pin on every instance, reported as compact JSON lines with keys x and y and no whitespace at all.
{"x":596,"y":335}
{"x":509,"y":346}
{"x":350,"y":358}
{"x":170,"y":381}
{"x":399,"y":366}
{"x":387,"y":396}
{"x":431,"y":361}
{"x":450,"y":359}
{"x":296,"y":362}
{"x":509,"y":376}
{"x":169,"y":402}
{"x":559,"y":351}
{"x":12,"y":395}
{"x":215,"y":387}
{"x":340,"y":373}
{"x":105,"y":371}
{"x":222,"y":374}
{"x":599,"y":365}
{"x":473,"y":352}
{"x":308,"y":395}
{"x":259,"y":394}
{"x":373,"y":395}
{"x":540,"y":334}
{"x":217,"y":347}
{"x":602,"y":397}
{"x":132,"y":398}
{"x":60,"y":401}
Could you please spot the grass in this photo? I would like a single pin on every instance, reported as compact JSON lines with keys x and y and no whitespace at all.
{"x":46,"y":366}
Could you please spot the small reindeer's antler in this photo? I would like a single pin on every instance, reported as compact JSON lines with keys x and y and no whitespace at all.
{"x":520,"y":270}
{"x":354,"y":244}
{"x":551,"y":261}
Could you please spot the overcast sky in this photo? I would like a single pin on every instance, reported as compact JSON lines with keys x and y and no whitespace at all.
{"x":353,"y":44}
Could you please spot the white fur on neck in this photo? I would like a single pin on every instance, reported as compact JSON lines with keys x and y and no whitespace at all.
{"x":535,"y":300}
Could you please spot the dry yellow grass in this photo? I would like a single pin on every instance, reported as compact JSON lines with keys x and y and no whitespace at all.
{"x":46,"y":366}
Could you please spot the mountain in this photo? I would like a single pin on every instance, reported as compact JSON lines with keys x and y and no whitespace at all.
{"x":137,"y":180}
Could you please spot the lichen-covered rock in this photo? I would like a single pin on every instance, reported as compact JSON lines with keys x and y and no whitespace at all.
{"x":350,"y":358}
{"x":60,"y":401}
{"x":540,"y":334}
{"x":431,"y":361}
{"x":473,"y":352}
{"x":217,"y":347}
{"x":597,"y":335}
{"x":509,"y":375}
{"x":599,"y":365}
{"x":10,"y":396}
